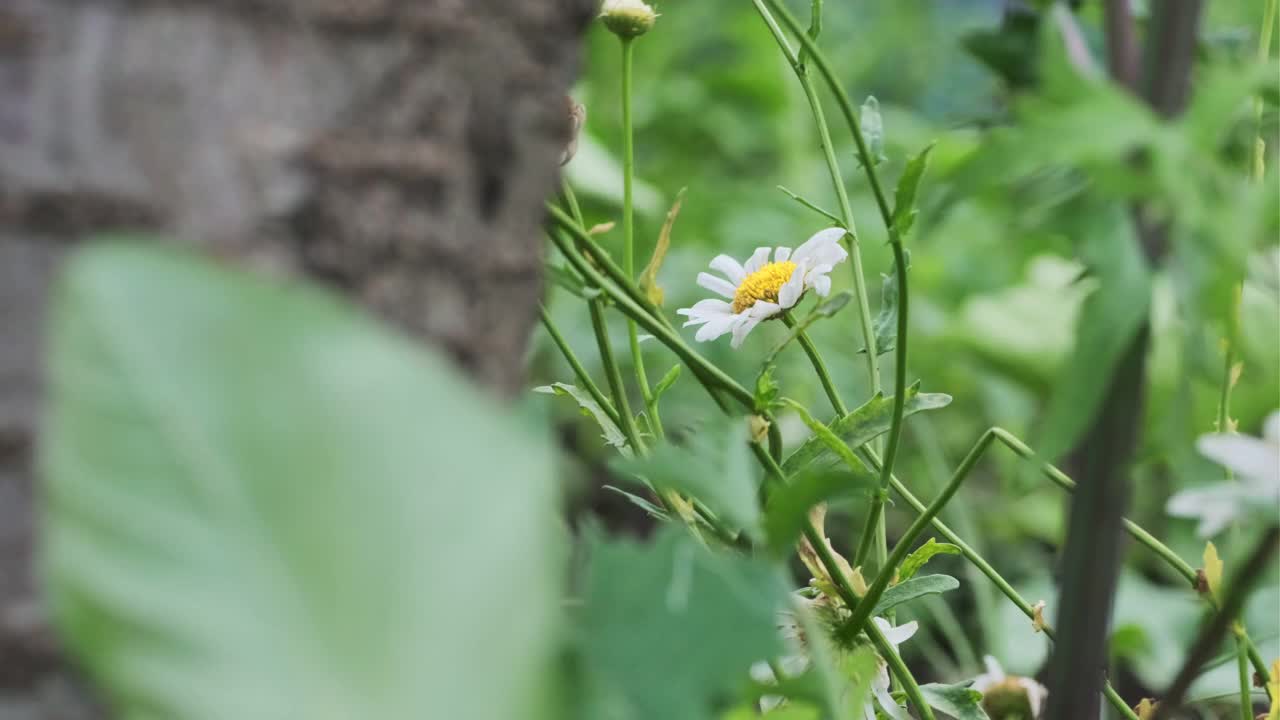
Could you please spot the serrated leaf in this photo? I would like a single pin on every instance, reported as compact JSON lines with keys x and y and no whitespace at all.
{"x":958,"y":701}
{"x":912,"y":589}
{"x":922,"y":555}
{"x":671,"y":626}
{"x":886,"y":320}
{"x":789,"y":505}
{"x":861,"y":426}
{"x":666,"y":382}
{"x":766,"y":394}
{"x":649,"y":276}
{"x":1109,"y":320}
{"x":254,"y":502}
{"x":714,"y":466}
{"x":590,"y":408}
{"x":904,"y":197}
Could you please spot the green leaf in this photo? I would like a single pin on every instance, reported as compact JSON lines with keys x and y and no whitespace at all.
{"x":713,"y":466}
{"x":652,"y":510}
{"x":886,"y":321}
{"x":872,"y":128}
{"x":912,"y":589}
{"x":834,"y":304}
{"x":766,"y":394}
{"x":649,"y":277}
{"x":666,"y":382}
{"x":958,"y":701}
{"x":670,"y":626}
{"x":904,"y":198}
{"x":259,"y":504}
{"x":789,"y":505}
{"x":922,"y":555}
{"x":1110,"y":318}
{"x":590,"y":408}
{"x":861,"y":426}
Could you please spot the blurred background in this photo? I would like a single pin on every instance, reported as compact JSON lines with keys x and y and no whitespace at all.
{"x":994,"y":295}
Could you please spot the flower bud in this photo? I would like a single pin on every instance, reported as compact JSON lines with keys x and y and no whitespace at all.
{"x":628,"y":18}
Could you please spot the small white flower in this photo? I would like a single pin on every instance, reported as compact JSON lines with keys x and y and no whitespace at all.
{"x":880,"y":685}
{"x":994,"y":681}
{"x":761,"y":289}
{"x":628,"y":18}
{"x":1256,"y":463}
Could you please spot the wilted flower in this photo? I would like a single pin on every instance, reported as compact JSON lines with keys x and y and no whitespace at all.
{"x":1256,"y":463}
{"x":628,"y":18}
{"x":1009,"y":697}
{"x":759,"y":289}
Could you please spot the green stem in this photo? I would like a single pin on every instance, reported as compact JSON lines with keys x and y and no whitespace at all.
{"x":614,"y":377}
{"x":819,"y":366}
{"x":837,"y":181}
{"x":579,"y":371}
{"x":1246,"y":682}
{"x":899,"y":253}
{"x":706,"y":372}
{"x":628,"y":233}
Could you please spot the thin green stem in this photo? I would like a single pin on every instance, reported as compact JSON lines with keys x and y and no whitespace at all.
{"x":776,"y":477}
{"x":837,"y":182}
{"x":899,"y":253}
{"x":819,"y":367}
{"x":584,"y":378}
{"x":1246,"y":681}
{"x":705,"y":371}
{"x":628,"y":232}
{"x":614,"y":377}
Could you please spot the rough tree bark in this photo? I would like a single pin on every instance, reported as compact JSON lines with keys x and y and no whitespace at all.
{"x":396,"y":150}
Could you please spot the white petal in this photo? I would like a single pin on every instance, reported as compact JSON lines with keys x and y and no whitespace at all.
{"x":730,"y":267}
{"x":741,"y":329}
{"x":1036,"y":694}
{"x":717,"y":285}
{"x":705,"y":310}
{"x":793,"y":288}
{"x":822,"y":247}
{"x":757,"y":259}
{"x":1271,"y":428}
{"x":716,"y":327}
{"x":888,"y":704}
{"x":763,"y":310}
{"x":896,"y":635}
{"x":781,"y":253}
{"x":993,"y":668}
{"x":1247,"y":456}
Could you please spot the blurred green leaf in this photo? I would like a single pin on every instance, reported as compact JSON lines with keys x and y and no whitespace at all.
{"x":1111,"y":316}
{"x":861,"y":426}
{"x":789,"y":505}
{"x":872,"y":128}
{"x":958,"y":701}
{"x":260,"y":504}
{"x":904,"y":197}
{"x":670,"y":626}
{"x":916,"y":587}
{"x":886,"y":320}
{"x":590,"y":408}
{"x":922,"y":555}
{"x":714,"y":466}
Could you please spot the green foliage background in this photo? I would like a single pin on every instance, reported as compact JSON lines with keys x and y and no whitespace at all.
{"x":994,"y":294}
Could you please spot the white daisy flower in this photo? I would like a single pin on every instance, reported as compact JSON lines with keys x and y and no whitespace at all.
{"x":761,"y":289}
{"x":1256,"y":488}
{"x":628,"y":18}
{"x":1008,"y":696}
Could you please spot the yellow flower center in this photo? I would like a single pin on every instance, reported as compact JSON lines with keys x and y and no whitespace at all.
{"x":762,"y":284}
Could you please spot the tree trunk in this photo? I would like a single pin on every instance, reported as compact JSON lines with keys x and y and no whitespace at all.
{"x":398,"y":151}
